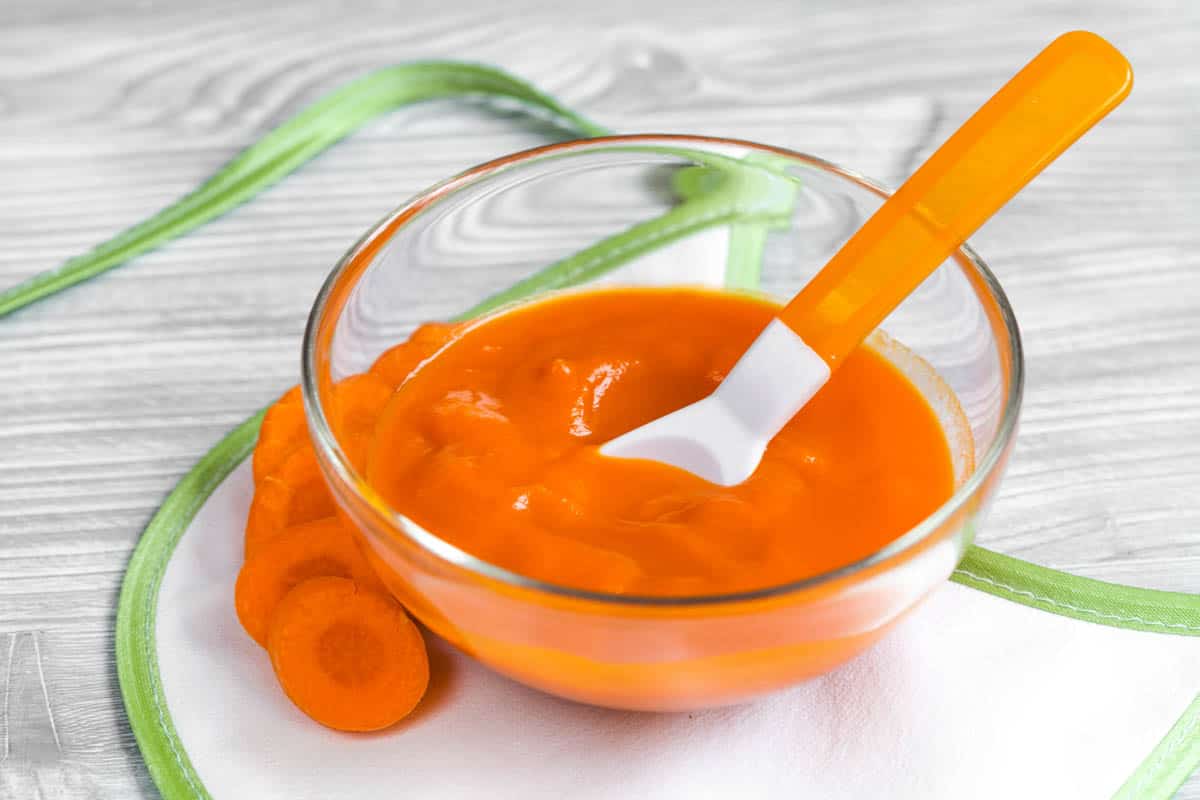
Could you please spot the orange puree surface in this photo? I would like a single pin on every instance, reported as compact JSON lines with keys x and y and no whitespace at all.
{"x":492,"y":445}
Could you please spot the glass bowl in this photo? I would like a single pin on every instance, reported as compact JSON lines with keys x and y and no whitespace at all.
{"x":670,"y":210}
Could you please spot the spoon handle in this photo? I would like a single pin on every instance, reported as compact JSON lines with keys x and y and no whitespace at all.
{"x":1037,"y":115}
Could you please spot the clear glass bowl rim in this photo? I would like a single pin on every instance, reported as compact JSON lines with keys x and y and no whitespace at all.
{"x":333,"y":459}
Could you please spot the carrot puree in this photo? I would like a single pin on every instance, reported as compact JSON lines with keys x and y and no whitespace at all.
{"x":491,"y":444}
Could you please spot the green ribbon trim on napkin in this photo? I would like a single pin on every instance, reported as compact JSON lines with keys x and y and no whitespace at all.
{"x":746,"y":196}
{"x":137,"y":614}
{"x":1067,"y":595}
{"x":1170,"y":762}
{"x":747,"y":241}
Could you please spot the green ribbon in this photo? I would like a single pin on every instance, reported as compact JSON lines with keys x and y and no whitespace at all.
{"x":332,"y":118}
{"x":288,"y":147}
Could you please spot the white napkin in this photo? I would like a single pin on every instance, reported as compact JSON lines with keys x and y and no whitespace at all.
{"x":971,"y":697}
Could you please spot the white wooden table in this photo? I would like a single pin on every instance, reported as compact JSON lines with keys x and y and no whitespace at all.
{"x":110,"y":109}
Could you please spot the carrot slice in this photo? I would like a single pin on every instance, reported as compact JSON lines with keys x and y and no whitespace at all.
{"x":435,"y":333}
{"x":397,"y":363}
{"x":293,"y":494}
{"x":281,"y":431}
{"x":317,"y":549}
{"x":347,"y":656}
{"x":268,"y":514}
{"x":357,"y":403}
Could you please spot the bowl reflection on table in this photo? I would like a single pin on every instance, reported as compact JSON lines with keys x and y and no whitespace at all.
{"x":472,"y":237}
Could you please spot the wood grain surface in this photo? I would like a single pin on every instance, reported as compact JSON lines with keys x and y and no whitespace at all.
{"x":110,"y":109}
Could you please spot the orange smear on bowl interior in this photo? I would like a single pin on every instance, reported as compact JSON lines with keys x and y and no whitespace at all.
{"x":492,"y":446}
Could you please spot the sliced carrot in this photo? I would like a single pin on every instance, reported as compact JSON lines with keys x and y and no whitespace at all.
{"x":295,"y":493}
{"x":357,"y":401}
{"x":397,"y":363}
{"x":347,"y":656}
{"x":356,"y":404}
{"x":435,"y":333}
{"x":317,"y":549}
{"x":268,"y":514}
{"x":281,"y":431}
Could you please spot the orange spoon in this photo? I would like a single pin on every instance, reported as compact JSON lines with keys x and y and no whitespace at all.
{"x":1037,"y":115}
